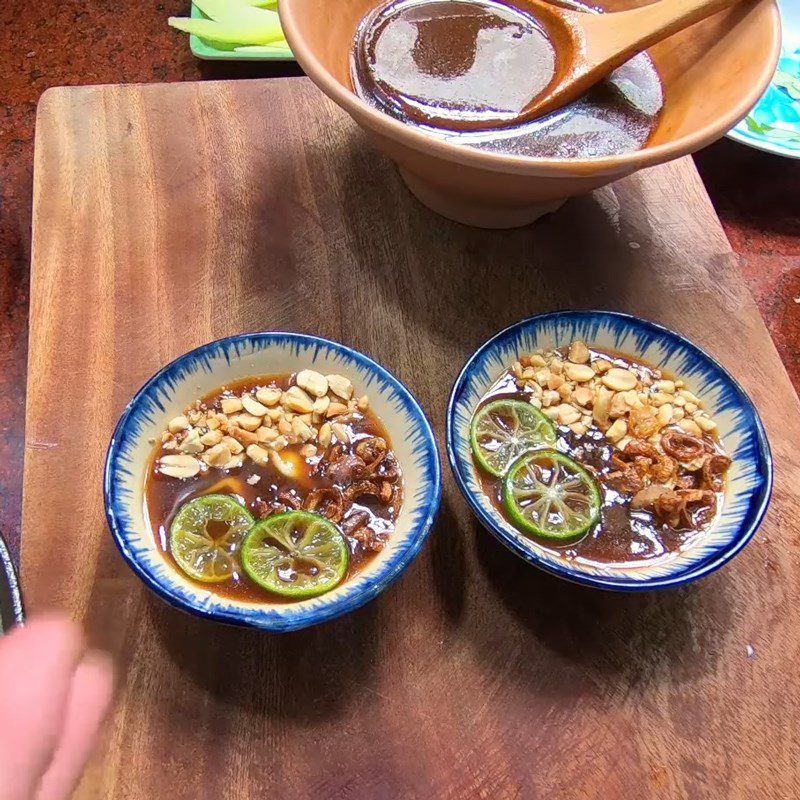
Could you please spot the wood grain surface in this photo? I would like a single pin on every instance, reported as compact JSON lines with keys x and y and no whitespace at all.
{"x":166,"y":216}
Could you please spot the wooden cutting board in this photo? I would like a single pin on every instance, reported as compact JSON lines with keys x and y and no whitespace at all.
{"x":166,"y":216}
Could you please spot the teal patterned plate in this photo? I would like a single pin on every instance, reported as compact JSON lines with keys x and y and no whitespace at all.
{"x":774,"y":124}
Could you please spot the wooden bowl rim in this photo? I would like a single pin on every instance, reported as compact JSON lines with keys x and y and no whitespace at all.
{"x":624,"y":163}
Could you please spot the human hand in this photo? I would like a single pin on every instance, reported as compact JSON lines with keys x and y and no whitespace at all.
{"x":54,"y":695}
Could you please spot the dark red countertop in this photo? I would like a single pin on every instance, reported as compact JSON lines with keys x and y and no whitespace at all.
{"x":757,"y":196}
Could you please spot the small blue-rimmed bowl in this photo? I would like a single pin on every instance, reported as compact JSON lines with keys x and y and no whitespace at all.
{"x":749,"y":484}
{"x":207,"y":368}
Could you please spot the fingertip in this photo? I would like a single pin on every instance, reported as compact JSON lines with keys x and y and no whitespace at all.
{"x":90,"y":700}
{"x":50,"y":633}
{"x":45,"y":651}
{"x":38,"y":663}
{"x":97,"y":671}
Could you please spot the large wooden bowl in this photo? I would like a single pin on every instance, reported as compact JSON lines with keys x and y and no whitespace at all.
{"x":713,"y":73}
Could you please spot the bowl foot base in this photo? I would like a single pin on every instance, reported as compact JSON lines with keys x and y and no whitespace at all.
{"x":476,"y":214}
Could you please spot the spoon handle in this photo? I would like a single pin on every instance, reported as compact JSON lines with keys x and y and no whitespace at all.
{"x":625,"y":33}
{"x":596,"y":44}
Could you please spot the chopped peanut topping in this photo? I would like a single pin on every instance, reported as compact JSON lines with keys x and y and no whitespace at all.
{"x":630,"y":403}
{"x":259,"y":423}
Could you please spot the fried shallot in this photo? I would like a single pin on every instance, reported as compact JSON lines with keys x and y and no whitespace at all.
{"x":679,"y":509}
{"x":682,"y":446}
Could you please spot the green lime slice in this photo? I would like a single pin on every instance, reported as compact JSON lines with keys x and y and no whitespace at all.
{"x":297,"y":554}
{"x":206,"y":534}
{"x":550,"y":496}
{"x":503,"y":429}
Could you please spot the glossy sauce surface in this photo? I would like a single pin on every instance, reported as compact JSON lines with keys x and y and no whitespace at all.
{"x":165,"y":495}
{"x":623,"y":535}
{"x":425,"y":60}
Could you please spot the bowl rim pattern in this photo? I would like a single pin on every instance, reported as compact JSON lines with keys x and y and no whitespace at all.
{"x":613,"y":580}
{"x":280,"y":617}
{"x":12,"y":611}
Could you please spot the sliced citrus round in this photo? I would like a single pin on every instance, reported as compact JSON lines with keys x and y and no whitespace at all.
{"x":297,"y":554}
{"x":503,"y":429}
{"x":206,"y":535}
{"x":549,"y":495}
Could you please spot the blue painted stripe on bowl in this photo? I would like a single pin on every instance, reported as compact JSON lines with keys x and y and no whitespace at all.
{"x":150,"y":403}
{"x":12,"y":612}
{"x":750,"y":486}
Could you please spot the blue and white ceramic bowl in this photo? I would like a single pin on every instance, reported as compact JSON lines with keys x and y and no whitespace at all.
{"x":740,"y":429}
{"x":205,"y":369}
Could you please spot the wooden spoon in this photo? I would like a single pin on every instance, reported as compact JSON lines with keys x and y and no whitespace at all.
{"x":590,"y":46}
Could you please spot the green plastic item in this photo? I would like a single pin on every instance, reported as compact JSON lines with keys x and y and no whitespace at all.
{"x":218,"y":51}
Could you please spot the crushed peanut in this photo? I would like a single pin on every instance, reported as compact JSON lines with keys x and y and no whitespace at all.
{"x":269,"y":396}
{"x":252,"y":406}
{"x":340,"y":432}
{"x":259,"y":423}
{"x":620,"y":380}
{"x":312,"y":382}
{"x":578,"y":352}
{"x":618,"y":429}
{"x":180,"y":423}
{"x":287,"y":468}
{"x":230,"y":405}
{"x":179,"y":466}
{"x":217,"y":456}
{"x":577,"y":388}
{"x":258,"y":454}
{"x":340,"y":386}
{"x":580,"y":373}
{"x":335,"y":410}
{"x":295,"y":399}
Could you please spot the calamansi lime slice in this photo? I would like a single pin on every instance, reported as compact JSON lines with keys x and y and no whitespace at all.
{"x":297,"y":554}
{"x":550,"y":496}
{"x":503,"y":429}
{"x":206,"y":534}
